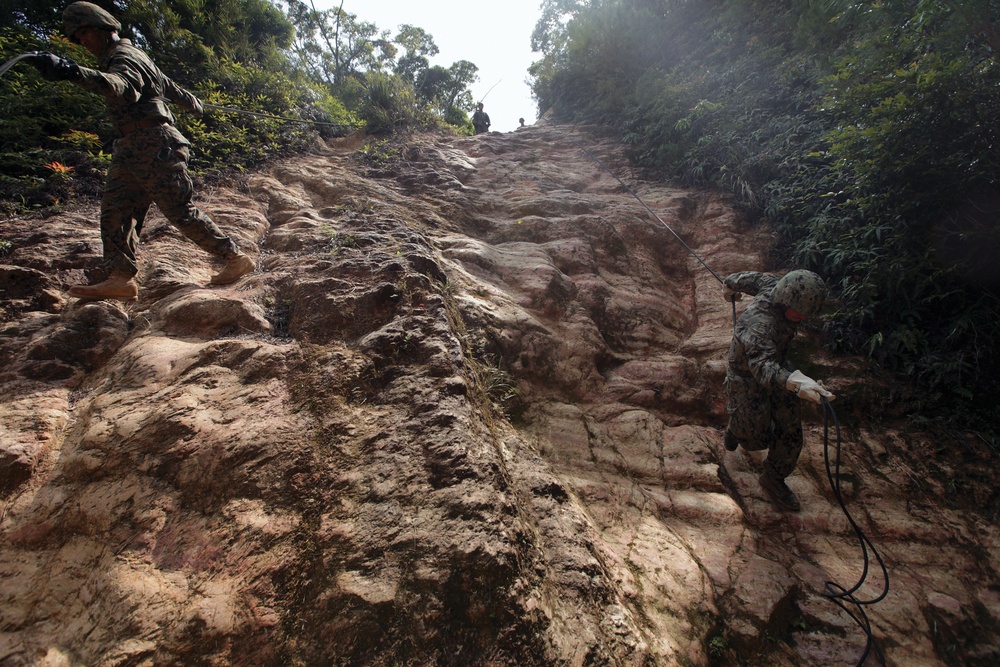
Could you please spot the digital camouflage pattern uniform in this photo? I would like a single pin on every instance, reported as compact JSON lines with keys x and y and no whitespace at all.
{"x":149,"y":162}
{"x":763,"y":414}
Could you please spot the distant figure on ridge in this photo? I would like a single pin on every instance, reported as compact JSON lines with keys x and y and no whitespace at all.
{"x":764,"y":410}
{"x":521,"y":121}
{"x":149,"y":161}
{"x":480,"y":120}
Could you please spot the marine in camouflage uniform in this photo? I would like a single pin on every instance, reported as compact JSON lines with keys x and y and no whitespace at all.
{"x":480,"y":120}
{"x":763,"y":392}
{"x":150,"y":159}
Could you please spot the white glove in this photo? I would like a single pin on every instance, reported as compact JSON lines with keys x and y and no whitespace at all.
{"x":805,"y":387}
{"x":731,"y":294}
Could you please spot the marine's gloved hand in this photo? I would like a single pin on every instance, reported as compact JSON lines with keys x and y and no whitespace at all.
{"x":197,"y":108}
{"x":53,"y":67}
{"x":731,"y":294}
{"x":805,"y":387}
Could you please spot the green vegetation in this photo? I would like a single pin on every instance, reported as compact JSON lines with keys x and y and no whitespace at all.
{"x":717,"y":646}
{"x":274,"y":58}
{"x":864,"y":133}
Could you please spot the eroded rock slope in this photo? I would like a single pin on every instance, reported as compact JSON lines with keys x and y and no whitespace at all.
{"x":467,"y":412}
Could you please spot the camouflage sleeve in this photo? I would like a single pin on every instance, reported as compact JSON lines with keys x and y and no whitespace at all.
{"x":762,"y":354}
{"x":750,"y":282}
{"x":183,"y":98}
{"x":119,"y":86}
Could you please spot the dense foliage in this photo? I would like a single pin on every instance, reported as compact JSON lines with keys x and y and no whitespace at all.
{"x":328,"y":69}
{"x":864,"y":132}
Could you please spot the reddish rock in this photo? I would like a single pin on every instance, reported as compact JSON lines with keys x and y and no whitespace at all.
{"x":468,"y":411}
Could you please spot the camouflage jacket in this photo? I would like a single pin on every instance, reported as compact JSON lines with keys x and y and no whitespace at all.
{"x":763,"y":333}
{"x":481,"y":119}
{"x":133,"y":87}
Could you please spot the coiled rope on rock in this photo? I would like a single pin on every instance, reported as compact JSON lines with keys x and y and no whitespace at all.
{"x":843,"y":597}
{"x":840,"y":596}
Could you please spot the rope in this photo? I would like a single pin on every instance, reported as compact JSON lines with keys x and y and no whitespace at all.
{"x":10,"y":63}
{"x":652,"y":213}
{"x":844,"y":597}
{"x":490,"y":90}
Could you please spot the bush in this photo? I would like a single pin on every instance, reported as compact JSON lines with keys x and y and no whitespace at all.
{"x":391,"y":105}
{"x":864,"y":134}
{"x":53,"y":137}
{"x":43,"y":123}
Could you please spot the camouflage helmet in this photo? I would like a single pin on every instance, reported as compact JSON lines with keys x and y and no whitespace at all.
{"x":80,"y":15}
{"x":802,"y":291}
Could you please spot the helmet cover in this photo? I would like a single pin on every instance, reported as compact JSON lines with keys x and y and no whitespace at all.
{"x":802,"y":291}
{"x":80,"y":15}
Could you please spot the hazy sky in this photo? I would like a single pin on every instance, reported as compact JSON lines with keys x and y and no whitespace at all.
{"x":496,"y":36}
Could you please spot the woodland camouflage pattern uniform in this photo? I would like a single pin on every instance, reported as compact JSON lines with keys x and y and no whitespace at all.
{"x":149,"y":162}
{"x":763,"y":413}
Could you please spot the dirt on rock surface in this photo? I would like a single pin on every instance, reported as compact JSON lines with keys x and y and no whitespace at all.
{"x":467,"y":411}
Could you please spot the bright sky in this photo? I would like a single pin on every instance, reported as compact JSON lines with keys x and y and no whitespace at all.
{"x":496,"y":36}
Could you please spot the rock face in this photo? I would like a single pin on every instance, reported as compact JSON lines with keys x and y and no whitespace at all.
{"x":468,"y":411}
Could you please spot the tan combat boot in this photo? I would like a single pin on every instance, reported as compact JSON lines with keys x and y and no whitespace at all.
{"x":236,"y":266}
{"x":119,"y":286}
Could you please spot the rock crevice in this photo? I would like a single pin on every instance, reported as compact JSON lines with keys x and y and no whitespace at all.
{"x":466,"y":412}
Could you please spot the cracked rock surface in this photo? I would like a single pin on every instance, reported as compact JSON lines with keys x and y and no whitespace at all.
{"x":467,"y":411}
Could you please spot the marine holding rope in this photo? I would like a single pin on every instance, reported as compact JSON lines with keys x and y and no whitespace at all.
{"x":150,"y":159}
{"x":764,"y":394}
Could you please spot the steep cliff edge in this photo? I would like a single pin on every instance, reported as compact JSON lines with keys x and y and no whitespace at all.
{"x":467,"y":412}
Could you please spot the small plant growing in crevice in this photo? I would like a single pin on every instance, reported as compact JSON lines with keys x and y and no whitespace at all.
{"x":717,"y":645}
{"x":489,"y":384}
{"x":381,"y":155}
{"x":342,"y":242}
{"x":495,"y":383}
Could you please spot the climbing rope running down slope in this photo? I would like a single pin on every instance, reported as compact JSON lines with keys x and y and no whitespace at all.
{"x":843,"y":597}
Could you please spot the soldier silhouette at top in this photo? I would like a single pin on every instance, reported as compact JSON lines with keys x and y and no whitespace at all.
{"x":480,"y":120}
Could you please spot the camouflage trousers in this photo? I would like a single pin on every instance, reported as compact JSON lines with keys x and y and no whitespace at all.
{"x":762,"y":419}
{"x":150,"y":166}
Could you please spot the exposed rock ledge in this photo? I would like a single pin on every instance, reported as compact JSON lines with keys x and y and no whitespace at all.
{"x":310,"y":468}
